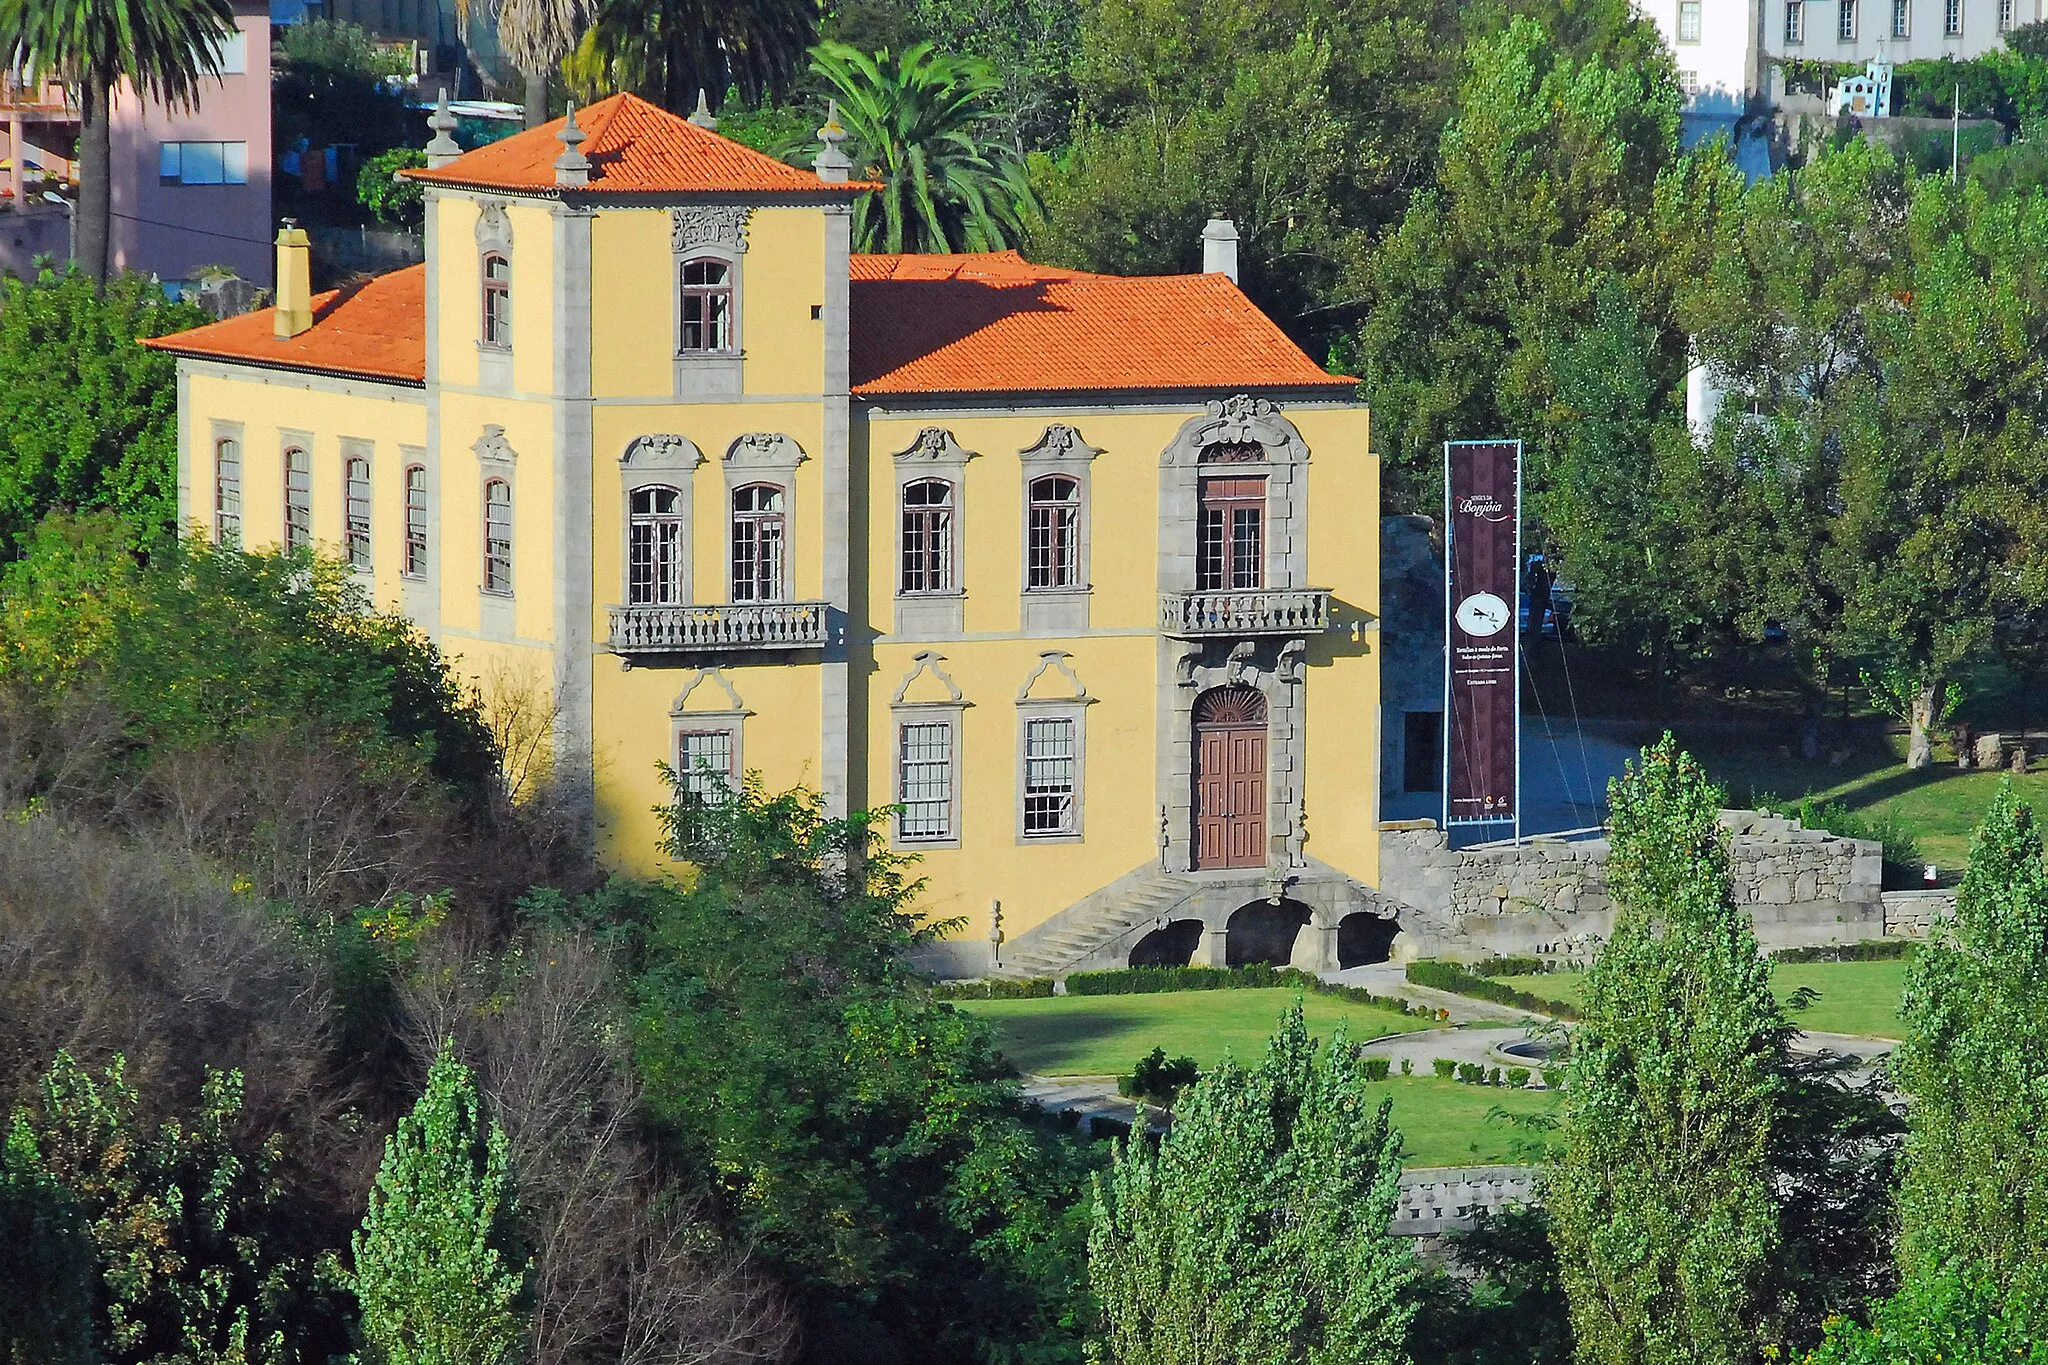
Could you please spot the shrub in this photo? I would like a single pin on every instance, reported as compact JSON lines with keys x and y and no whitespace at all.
{"x":1157,"y":1080}
{"x":1518,"y":1077}
{"x":1256,"y":976}
{"x":995,"y":988}
{"x":1876,"y":950}
{"x":393,"y":200}
{"x":1407,"y":1066}
{"x":1902,"y":858}
{"x":1376,"y":1068}
{"x":1553,"y":1077}
{"x":1445,"y":1068}
{"x":1493,"y":1075}
{"x":1461,"y":980}
{"x":1513,"y":965}
{"x":1471,"y":1073}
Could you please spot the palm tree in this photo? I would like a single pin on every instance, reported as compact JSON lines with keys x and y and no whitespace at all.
{"x":165,"y":49}
{"x":536,"y":36}
{"x":919,"y":124}
{"x":668,"y":50}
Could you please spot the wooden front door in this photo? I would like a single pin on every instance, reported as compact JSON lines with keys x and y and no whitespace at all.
{"x":1230,"y":778}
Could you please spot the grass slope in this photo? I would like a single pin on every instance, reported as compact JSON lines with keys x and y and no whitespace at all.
{"x":1855,"y":997}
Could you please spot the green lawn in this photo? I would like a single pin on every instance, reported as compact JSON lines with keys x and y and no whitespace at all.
{"x":1855,"y":997}
{"x":1105,"y":1035}
{"x":1444,"y":1123}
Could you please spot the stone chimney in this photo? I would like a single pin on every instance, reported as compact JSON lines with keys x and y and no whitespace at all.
{"x":294,"y":311}
{"x":443,"y":148}
{"x":572,"y":167}
{"x":1219,"y":248}
{"x":831,"y":164}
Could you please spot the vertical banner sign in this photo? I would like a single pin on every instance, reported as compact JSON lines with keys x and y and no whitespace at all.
{"x":1482,"y":684}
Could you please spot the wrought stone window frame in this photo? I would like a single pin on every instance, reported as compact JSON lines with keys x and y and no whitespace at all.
{"x":729,"y":720}
{"x":288,"y":442}
{"x":1240,"y":420}
{"x":709,"y":232}
{"x":1073,"y":708}
{"x":656,"y":518}
{"x":409,"y":567}
{"x":935,"y":454}
{"x":494,"y":240}
{"x":764,"y":458}
{"x":224,"y":434}
{"x":659,"y":459}
{"x":1061,"y":450}
{"x":950,"y":712}
{"x":355,"y":449}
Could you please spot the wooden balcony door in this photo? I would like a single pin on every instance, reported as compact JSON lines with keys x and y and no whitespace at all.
{"x":1230,"y":778}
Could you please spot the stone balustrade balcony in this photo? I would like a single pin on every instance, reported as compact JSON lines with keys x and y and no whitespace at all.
{"x":709,"y":627}
{"x":1244,"y":611}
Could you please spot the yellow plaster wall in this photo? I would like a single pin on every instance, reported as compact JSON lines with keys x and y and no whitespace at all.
{"x":633,"y":332}
{"x":459,"y":285}
{"x":529,"y":428}
{"x":458,"y":291}
{"x":784,"y":279}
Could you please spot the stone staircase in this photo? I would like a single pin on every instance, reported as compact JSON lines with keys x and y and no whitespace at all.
{"x":1111,"y":920}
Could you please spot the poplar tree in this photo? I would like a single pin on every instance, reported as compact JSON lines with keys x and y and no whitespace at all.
{"x":1255,"y":1233}
{"x":1661,"y":1202}
{"x":431,"y":1270}
{"x":1975,"y":1190}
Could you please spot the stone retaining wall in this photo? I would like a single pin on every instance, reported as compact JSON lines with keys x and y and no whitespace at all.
{"x":1909,"y":914}
{"x":1548,"y":897}
{"x":1450,"y":1198}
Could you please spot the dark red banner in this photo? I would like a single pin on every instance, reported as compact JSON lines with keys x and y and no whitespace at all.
{"x":1482,"y":517}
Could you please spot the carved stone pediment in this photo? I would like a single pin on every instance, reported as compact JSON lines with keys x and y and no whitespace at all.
{"x":720,"y":225}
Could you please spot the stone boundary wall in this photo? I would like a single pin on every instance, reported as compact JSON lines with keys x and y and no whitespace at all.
{"x":1547,"y":897}
{"x":1438,"y":1199}
{"x":1910,"y":914}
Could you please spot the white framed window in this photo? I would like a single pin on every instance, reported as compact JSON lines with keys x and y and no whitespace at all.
{"x":355,"y":492}
{"x":2005,"y":16}
{"x":704,"y":763}
{"x":1902,"y":18}
{"x":203,"y":163}
{"x":496,"y":325}
{"x":1688,"y":21}
{"x":654,"y":547}
{"x":227,"y":491}
{"x":1795,"y":21}
{"x":298,"y":498}
{"x":1689,"y":82}
{"x":925,"y":780}
{"x":1845,"y":20}
{"x":231,"y":53}
{"x":759,"y":534}
{"x":1053,"y":534}
{"x":1050,"y":771}
{"x":498,"y":536}
{"x":705,"y":296}
{"x":1952,"y":18}
{"x":415,"y":521}
{"x":927,"y":537}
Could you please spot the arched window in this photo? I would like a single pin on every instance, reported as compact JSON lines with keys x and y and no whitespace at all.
{"x":706,"y":296}
{"x":1053,"y":535}
{"x":298,"y":498}
{"x":757,"y":541}
{"x":415,"y":520}
{"x":227,"y":491}
{"x":928,"y":536}
{"x":497,"y":316}
{"x":497,"y":536}
{"x":654,"y":547}
{"x":356,"y":501}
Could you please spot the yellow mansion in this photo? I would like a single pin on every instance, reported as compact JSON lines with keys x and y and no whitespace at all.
{"x":1078,"y":573}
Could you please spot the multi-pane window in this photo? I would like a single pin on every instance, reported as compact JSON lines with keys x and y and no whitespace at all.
{"x":928,"y":536}
{"x":1845,"y":20}
{"x":706,"y":306}
{"x":924,"y":780}
{"x":1901,"y":18}
{"x":497,"y":536}
{"x":227,"y":491}
{"x":1688,"y":21}
{"x":704,"y":763}
{"x":1795,"y":21}
{"x":1952,"y":18}
{"x":1053,"y":536}
{"x":203,"y":163}
{"x":1689,"y":82}
{"x":654,"y":547}
{"x":415,"y":520}
{"x":2005,"y":8}
{"x":298,"y":498}
{"x":1230,"y":552}
{"x":757,"y":543}
{"x":497,"y":319}
{"x":1049,"y":776}
{"x":356,"y":501}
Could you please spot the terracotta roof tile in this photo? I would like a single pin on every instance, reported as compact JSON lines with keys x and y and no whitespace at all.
{"x":634,"y":148}
{"x":994,"y":323}
{"x":376,"y":330}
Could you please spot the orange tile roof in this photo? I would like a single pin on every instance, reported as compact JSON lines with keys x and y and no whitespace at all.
{"x":994,"y":323}
{"x":375,"y":331}
{"x":634,"y":148}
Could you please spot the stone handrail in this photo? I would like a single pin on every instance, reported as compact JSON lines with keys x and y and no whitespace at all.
{"x":736,"y":625}
{"x":1249,"y":611}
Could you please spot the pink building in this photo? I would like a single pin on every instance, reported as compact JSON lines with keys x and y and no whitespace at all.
{"x":191,"y":188}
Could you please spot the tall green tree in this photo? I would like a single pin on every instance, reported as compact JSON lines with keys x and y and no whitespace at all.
{"x":668,"y":50}
{"x":1975,"y":1190}
{"x":88,"y":418}
{"x":919,"y":125}
{"x":434,"y":1270}
{"x":1661,"y":1200}
{"x":165,"y":49}
{"x":1257,"y":1229}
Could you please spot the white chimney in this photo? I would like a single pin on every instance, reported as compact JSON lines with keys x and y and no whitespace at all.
{"x":1219,"y":248}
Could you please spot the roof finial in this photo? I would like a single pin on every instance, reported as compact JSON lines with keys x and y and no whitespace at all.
{"x":443,"y":148}
{"x":831,"y":163}
{"x":702,"y":117}
{"x":572,"y":167}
